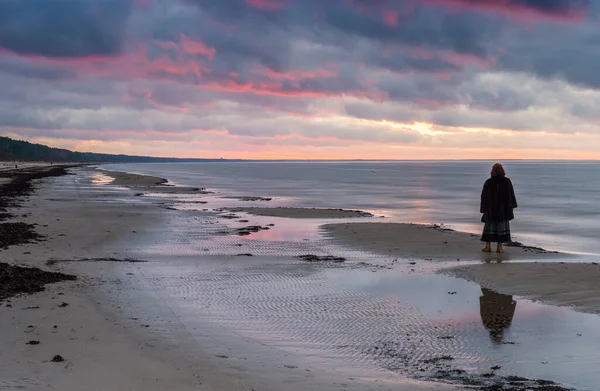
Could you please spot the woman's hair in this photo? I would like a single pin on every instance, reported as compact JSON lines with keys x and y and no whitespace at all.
{"x":498,"y":170}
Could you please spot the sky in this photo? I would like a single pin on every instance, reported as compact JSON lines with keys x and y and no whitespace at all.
{"x":304,"y":79}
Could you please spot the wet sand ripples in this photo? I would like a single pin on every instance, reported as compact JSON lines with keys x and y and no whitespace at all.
{"x":298,"y":306}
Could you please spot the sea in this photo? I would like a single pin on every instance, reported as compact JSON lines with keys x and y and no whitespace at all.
{"x":559,"y":201}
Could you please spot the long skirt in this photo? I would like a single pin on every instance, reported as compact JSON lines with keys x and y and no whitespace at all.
{"x":496,"y":231}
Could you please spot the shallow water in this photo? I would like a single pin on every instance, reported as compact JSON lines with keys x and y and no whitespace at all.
{"x":558,"y":205}
{"x":369,"y":318}
{"x":375,"y":315}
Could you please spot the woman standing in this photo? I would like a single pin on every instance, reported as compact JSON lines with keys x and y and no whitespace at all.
{"x":497,"y":203}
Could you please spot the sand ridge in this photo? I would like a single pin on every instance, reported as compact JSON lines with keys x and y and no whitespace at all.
{"x":430,"y":242}
{"x":570,"y":284}
{"x":574,"y":285}
{"x":148,"y":183}
{"x":302,"y":213}
{"x":130,"y":179}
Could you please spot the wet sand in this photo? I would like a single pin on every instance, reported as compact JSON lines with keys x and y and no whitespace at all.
{"x":565,"y":284}
{"x":148,"y":184}
{"x":129,"y":179}
{"x":65,"y":337}
{"x":302,"y":213}
{"x":430,"y":242}
{"x":575,"y":285}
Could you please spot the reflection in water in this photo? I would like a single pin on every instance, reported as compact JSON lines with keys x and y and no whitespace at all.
{"x":497,"y":311}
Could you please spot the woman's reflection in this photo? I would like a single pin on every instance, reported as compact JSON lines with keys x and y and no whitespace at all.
{"x":497,"y":311}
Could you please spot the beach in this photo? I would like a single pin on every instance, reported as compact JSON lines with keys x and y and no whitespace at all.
{"x":99,"y":353}
{"x":101,"y":348}
{"x":164,"y":289}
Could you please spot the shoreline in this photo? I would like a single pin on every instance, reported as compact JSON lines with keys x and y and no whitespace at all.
{"x":301,"y":213}
{"x":152,"y":369}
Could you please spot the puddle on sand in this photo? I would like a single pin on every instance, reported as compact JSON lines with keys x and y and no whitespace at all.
{"x":481,"y":329}
{"x":414,"y":325}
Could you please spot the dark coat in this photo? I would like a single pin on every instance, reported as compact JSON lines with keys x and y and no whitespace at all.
{"x":497,"y":200}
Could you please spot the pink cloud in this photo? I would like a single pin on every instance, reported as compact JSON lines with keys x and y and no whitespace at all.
{"x":390,"y":18}
{"x":271,"y":5}
{"x":458,"y":59}
{"x":517,"y":10}
{"x":391,"y":12}
{"x":180,"y":65}
{"x":297,"y":75}
{"x":138,"y":63}
{"x":276,"y":89}
{"x":196,"y":46}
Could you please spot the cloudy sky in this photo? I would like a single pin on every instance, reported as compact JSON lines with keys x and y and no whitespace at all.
{"x":371,"y":79}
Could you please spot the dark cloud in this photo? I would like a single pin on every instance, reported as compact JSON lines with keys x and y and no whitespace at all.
{"x":559,"y":7}
{"x":63,"y":28}
{"x":344,"y":21}
{"x":262,"y":68}
{"x":16,"y":67}
{"x":520,"y":9}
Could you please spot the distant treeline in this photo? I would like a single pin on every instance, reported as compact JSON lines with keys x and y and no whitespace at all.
{"x":25,"y":151}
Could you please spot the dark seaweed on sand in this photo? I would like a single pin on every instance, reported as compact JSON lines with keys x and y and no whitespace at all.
{"x":443,"y":369}
{"x":11,"y":196}
{"x":21,"y":185}
{"x":13,"y":234}
{"x":52,"y":262}
{"x":324,"y":258}
{"x":15,"y":280}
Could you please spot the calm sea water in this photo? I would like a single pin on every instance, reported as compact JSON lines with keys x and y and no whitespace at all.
{"x":559,"y":202}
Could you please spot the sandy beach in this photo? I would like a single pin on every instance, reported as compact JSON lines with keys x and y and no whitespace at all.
{"x":432,"y":242}
{"x":61,"y":338}
{"x":108,"y":326}
{"x":133,"y":180}
{"x":72,"y":335}
{"x":147,"y":183}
